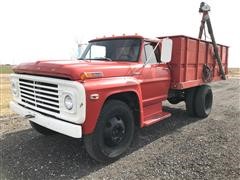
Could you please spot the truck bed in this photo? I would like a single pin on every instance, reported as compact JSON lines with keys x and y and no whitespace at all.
{"x":189,"y":56}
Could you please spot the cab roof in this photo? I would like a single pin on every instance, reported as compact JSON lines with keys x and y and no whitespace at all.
{"x":155,"y":39}
{"x":124,"y":37}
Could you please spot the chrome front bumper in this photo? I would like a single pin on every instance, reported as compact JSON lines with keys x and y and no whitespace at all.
{"x":57,"y":125}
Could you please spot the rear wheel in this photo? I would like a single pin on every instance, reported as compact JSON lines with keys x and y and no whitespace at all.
{"x":41,"y":129}
{"x":204,"y":99}
{"x":113,"y":133}
{"x":190,"y":101}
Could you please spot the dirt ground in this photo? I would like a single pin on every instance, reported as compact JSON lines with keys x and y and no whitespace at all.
{"x":5,"y":95}
{"x":179,"y":147}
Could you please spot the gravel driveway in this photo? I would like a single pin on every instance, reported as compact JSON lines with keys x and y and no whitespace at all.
{"x":179,"y":147}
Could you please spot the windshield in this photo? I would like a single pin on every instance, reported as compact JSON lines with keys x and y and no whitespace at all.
{"x":113,"y":50}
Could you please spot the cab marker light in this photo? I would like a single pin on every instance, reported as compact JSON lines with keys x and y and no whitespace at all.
{"x":94,"y":96}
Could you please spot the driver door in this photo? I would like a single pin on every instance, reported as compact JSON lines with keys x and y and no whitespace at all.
{"x":155,"y":79}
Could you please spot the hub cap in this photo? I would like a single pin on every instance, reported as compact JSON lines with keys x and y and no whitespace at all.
{"x":114,"y":131}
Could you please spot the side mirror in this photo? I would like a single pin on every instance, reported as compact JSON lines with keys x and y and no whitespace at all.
{"x":166,"y":50}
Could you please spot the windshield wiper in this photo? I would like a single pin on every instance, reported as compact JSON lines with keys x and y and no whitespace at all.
{"x":102,"y":58}
{"x":98,"y":58}
{"x":81,"y":59}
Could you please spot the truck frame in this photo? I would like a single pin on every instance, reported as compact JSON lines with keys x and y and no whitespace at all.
{"x":118,"y":84}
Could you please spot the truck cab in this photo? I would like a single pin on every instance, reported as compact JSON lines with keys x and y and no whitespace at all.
{"x":145,"y":68}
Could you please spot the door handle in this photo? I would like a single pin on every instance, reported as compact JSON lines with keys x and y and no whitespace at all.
{"x":162,"y":68}
{"x":136,"y":73}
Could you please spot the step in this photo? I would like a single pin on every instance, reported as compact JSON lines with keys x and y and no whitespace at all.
{"x":156,"y":118}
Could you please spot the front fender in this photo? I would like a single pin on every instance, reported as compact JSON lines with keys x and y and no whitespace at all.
{"x":106,"y":87}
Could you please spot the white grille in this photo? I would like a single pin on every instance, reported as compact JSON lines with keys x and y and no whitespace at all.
{"x":44,"y":96}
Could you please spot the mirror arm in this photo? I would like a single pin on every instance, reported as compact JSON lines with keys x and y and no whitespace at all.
{"x":152,"y":52}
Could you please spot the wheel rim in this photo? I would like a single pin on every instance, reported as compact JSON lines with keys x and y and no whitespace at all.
{"x":114,"y":132}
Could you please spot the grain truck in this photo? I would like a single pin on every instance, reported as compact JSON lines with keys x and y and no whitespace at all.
{"x":117,"y":85}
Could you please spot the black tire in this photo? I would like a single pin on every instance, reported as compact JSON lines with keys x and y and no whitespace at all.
{"x":190,"y":101}
{"x":41,"y":129}
{"x":204,"y":99}
{"x":113,"y":133}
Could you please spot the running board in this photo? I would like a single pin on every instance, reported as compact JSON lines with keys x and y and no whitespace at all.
{"x":155,"y":118}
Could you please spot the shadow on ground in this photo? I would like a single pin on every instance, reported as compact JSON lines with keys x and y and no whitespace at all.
{"x":28,"y":155}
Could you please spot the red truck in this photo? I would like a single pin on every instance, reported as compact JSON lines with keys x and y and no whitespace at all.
{"x":118,"y":84}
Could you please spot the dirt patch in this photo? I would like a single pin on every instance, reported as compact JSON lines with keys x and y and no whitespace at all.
{"x":234,"y":72}
{"x":5,"y":95}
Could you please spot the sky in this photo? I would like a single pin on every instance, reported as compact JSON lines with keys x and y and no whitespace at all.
{"x":33,"y":30}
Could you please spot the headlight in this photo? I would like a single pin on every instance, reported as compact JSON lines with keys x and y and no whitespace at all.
{"x":14,"y":88}
{"x":68,"y":102}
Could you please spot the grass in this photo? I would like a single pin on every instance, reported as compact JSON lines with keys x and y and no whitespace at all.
{"x":5,"y":92}
{"x":5,"y":69}
{"x":234,"y":71}
{"x":5,"y":95}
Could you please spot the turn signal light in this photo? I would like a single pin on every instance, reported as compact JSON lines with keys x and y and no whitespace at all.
{"x":91,"y":75}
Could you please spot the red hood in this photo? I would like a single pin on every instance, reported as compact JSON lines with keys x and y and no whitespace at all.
{"x":73,"y":68}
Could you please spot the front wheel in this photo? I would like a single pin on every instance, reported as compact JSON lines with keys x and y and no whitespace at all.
{"x":113,"y":133}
